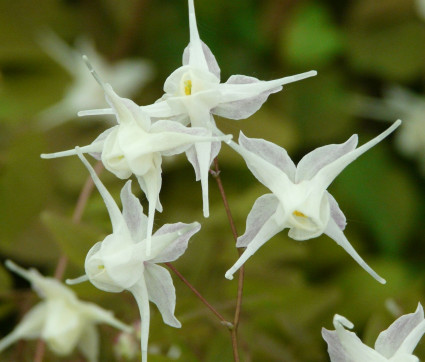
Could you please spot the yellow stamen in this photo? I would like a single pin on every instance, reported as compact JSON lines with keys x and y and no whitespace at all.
{"x":188,"y":87}
{"x":100,"y":267}
{"x":298,"y":213}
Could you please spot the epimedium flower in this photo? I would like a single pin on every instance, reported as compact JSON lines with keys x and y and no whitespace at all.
{"x":136,"y":145}
{"x":127,"y":76}
{"x":61,"y":319}
{"x":395,"y":344}
{"x":401,"y":102}
{"x":193,"y":94}
{"x":299,"y":200}
{"x":121,"y":261}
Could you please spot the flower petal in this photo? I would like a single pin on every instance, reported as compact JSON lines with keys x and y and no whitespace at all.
{"x":314,"y":161}
{"x":117,"y":219}
{"x":197,"y":58}
{"x":264,"y":208}
{"x":270,"y":228}
{"x":89,"y":343}
{"x":335,"y":349}
{"x":213,"y":66}
{"x":161,"y":291}
{"x":269,"y":174}
{"x":91,"y":148}
{"x":243,"y":88}
{"x":140,"y":293}
{"x":132,"y":212}
{"x":347,"y":344}
{"x":173,"y":242}
{"x":96,"y":314}
{"x":336,"y":214}
{"x":28,"y":328}
{"x":270,"y":152}
{"x":327,"y":174}
{"x":335,"y":233}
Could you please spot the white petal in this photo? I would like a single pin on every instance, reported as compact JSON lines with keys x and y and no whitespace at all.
{"x":209,"y":56}
{"x":89,"y":343}
{"x":241,"y":109}
{"x":264,"y":208}
{"x":314,"y":161}
{"x":267,"y":173}
{"x":335,"y":233}
{"x":151,"y":185}
{"x":117,"y":219}
{"x":335,"y":349}
{"x":29,"y":327}
{"x":140,"y":293}
{"x":390,"y":340}
{"x":351,"y":346}
{"x":101,"y":138}
{"x":271,"y":153}
{"x":161,"y":292}
{"x":133,"y":214}
{"x":92,"y":148}
{"x":269,"y":229}
{"x":62,"y":327}
{"x":327,"y":174}
{"x":96,"y":112}
{"x":159,"y":109}
{"x":96,"y":314}
{"x":171,"y":240}
{"x":197,"y":58}
{"x":231,"y":92}
{"x":336,"y":214}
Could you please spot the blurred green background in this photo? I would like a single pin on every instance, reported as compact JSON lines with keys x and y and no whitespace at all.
{"x":292,"y":288}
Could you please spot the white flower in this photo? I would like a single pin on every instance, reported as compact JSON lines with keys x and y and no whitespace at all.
{"x":401,"y":102}
{"x":395,"y":344}
{"x":136,"y":145}
{"x":194,"y":93}
{"x":299,"y":200}
{"x":121,"y":262}
{"x":61,"y":320}
{"x":126,"y":75}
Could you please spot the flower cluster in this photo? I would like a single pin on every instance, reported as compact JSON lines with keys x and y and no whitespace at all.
{"x":182,"y":120}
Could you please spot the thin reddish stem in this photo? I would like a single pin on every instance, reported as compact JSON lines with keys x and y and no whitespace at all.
{"x":63,"y":260}
{"x":236,"y":319}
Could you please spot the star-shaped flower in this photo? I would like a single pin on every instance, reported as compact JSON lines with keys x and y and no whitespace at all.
{"x":193,"y":94}
{"x":136,"y":145}
{"x":299,"y":200}
{"x":126,"y":75}
{"x":395,"y":344}
{"x":61,"y":320}
{"x":121,"y":261}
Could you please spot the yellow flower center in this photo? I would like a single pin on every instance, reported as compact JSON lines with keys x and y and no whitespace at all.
{"x":298,"y":213}
{"x":188,"y":87}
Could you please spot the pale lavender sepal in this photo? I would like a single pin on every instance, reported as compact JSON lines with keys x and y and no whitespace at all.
{"x":133,"y":214}
{"x":161,"y":291}
{"x":209,"y":57}
{"x":264,"y":207}
{"x":336,"y":213}
{"x":390,"y":340}
{"x":179,"y":245}
{"x":247,"y":106}
{"x":314,"y":161}
{"x":271,"y":153}
{"x":335,"y":349}
{"x":101,"y":138}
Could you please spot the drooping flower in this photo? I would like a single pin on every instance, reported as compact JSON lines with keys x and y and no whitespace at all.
{"x":395,"y":344}
{"x":136,"y":145}
{"x":121,"y":261}
{"x":61,"y":319}
{"x":299,"y":200}
{"x":126,"y":75}
{"x":193,"y":94}
{"x":400,"y":102}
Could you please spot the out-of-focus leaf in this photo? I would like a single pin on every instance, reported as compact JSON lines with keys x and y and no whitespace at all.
{"x":5,"y":280}
{"x":75,"y":240}
{"x":311,"y":39}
